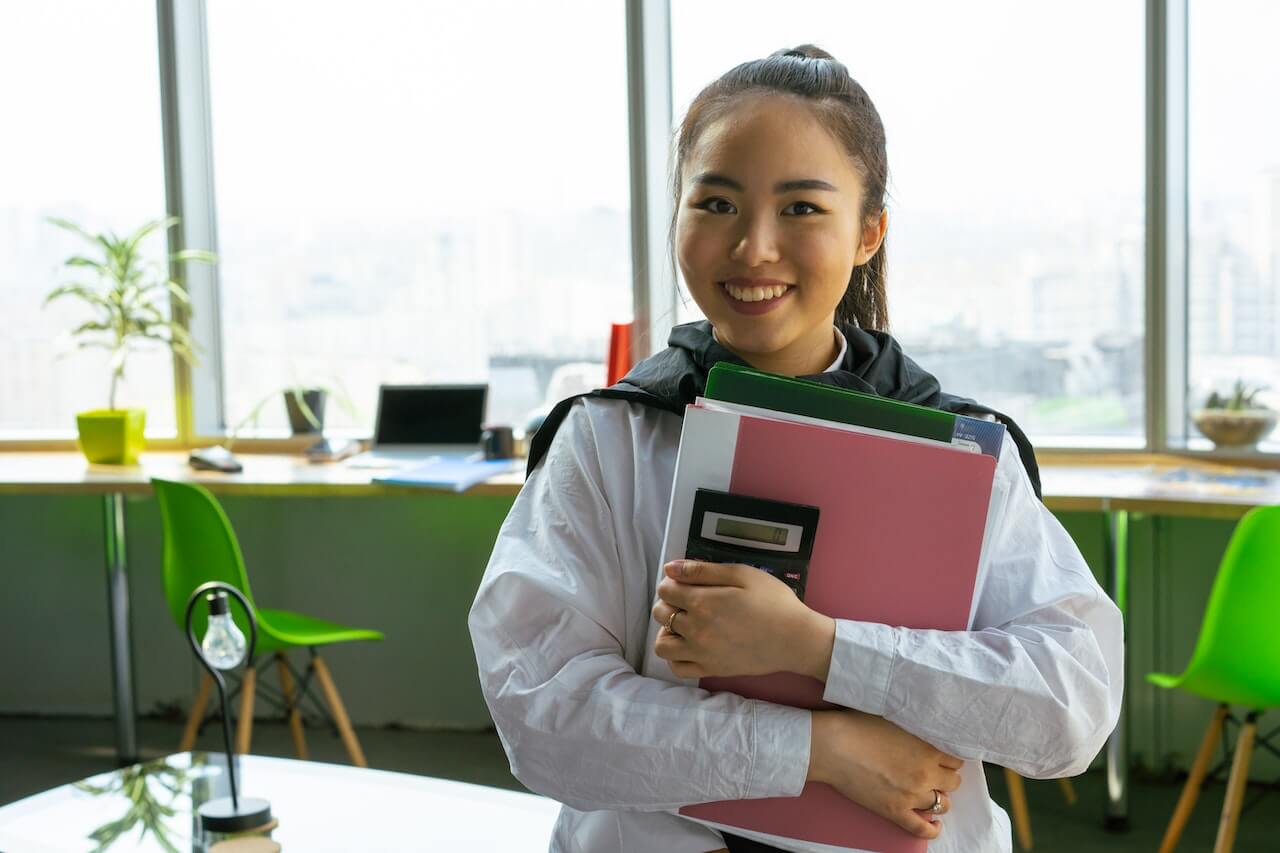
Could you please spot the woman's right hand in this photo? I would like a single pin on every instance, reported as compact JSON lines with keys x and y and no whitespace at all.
{"x":882,"y":768}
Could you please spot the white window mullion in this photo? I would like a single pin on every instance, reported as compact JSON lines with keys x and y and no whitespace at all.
{"x":1167,"y":224}
{"x":184,"y":74}
{"x":649,"y":98}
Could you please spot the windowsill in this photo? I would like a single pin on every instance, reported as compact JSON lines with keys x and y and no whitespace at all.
{"x":260,"y":441}
{"x":1266,"y":455}
{"x":1050,"y":450}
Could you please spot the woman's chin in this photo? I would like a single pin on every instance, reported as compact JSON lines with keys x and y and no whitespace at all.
{"x":756,"y":337}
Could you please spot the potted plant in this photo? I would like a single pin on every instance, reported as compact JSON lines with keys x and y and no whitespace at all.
{"x":305,"y":408}
{"x":304,"y":404}
{"x":128,"y":299}
{"x":1235,"y":419}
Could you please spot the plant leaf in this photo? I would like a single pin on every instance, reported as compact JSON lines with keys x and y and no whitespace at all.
{"x":131,"y":242}
{"x":68,"y":225}
{"x":82,"y":261}
{"x":86,"y":293}
{"x":91,"y":326}
{"x":202,"y":256}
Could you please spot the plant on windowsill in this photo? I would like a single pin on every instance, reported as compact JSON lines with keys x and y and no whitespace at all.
{"x":1236,"y":419}
{"x":128,"y":299}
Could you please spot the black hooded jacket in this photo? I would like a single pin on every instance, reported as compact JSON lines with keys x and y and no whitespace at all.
{"x":873,"y":363}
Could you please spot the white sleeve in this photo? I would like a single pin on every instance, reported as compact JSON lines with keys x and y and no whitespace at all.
{"x":1035,"y":686}
{"x":549,"y":626}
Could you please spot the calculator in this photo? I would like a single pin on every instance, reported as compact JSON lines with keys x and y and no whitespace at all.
{"x":773,"y":536}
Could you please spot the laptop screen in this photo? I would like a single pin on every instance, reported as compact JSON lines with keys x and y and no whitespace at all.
{"x":430,"y":414}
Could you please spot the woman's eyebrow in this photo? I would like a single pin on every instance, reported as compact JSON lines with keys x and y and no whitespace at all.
{"x":712,"y":179}
{"x":804,"y":184}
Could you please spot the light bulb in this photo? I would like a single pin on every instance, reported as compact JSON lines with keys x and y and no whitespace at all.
{"x":223,"y":644}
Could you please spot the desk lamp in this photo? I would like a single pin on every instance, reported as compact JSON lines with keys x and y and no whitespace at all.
{"x":223,"y":648}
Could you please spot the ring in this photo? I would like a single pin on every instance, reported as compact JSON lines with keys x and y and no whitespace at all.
{"x":936,"y":808}
{"x":672,"y":620}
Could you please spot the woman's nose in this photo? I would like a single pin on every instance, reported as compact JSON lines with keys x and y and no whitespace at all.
{"x":756,"y":244}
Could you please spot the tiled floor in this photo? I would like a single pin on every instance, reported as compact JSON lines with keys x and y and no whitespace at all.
{"x":36,"y":754}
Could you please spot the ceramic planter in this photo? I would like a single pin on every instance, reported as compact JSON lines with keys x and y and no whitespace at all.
{"x":1234,"y":427}
{"x":112,"y":436}
{"x":298,"y":421}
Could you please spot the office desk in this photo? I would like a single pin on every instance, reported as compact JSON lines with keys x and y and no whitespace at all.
{"x":1155,"y":485}
{"x":69,"y":473}
{"x":318,"y":806}
{"x":1116,"y":487}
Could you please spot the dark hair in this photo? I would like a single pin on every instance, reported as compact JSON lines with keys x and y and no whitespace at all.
{"x":844,"y":108}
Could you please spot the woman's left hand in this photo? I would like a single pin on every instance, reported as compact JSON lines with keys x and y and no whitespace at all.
{"x":733,"y":619}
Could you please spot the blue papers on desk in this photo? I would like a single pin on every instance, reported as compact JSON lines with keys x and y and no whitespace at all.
{"x":455,"y":475}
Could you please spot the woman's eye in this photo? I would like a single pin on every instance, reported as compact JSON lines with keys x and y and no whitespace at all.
{"x":716,"y":205}
{"x":801,"y":208}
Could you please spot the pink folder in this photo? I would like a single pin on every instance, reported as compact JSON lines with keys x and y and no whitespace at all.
{"x":899,"y":542}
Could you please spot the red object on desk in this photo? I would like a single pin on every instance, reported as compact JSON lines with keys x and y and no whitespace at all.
{"x":619,"y":353}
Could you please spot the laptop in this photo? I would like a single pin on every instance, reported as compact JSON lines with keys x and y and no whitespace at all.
{"x":421,"y":423}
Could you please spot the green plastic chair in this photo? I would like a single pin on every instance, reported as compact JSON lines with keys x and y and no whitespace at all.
{"x":200,"y":546}
{"x":1236,"y":662}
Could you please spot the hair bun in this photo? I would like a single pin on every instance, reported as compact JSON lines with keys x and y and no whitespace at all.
{"x":804,"y":51}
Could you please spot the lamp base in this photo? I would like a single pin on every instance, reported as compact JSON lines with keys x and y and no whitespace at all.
{"x":220,"y":815}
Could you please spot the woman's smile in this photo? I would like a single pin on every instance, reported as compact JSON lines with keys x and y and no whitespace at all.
{"x":755,"y":296}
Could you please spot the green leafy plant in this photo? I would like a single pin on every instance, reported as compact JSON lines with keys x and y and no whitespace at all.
{"x":128,"y":296}
{"x":1240,"y":398}
{"x":336,"y":392}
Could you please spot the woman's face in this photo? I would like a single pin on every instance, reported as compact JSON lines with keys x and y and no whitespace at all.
{"x":769,"y":229}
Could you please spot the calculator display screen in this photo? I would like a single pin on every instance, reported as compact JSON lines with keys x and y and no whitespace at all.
{"x":752,"y":531}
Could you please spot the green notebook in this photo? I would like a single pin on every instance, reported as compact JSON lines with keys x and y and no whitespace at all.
{"x":734,"y":383}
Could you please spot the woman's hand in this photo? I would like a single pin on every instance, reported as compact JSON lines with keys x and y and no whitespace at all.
{"x":883,"y":768}
{"x":732,"y":619}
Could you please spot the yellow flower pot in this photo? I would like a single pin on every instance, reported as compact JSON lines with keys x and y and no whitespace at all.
{"x":112,"y":436}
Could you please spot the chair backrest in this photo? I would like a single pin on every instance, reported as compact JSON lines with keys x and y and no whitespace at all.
{"x":199,"y":546}
{"x":1237,"y":647}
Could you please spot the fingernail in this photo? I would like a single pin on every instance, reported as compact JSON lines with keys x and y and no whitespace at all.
{"x":676,"y":567}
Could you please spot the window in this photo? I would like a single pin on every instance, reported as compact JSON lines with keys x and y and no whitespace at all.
{"x":1233,"y":312}
{"x":1015,"y":139}
{"x":418,"y":192}
{"x":81,"y":107}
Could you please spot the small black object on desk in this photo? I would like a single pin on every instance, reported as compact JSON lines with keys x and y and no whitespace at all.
{"x":498,"y":442}
{"x":216,"y":458}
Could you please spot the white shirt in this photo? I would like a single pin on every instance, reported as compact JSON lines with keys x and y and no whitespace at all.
{"x":561,"y":625}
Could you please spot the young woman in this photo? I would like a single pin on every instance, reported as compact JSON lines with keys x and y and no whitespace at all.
{"x":579,"y":629}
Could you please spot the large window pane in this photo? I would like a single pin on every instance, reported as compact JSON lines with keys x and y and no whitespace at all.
{"x":1015,"y":135}
{"x":1234,"y":149}
{"x":81,"y":109}
{"x":418,"y":192}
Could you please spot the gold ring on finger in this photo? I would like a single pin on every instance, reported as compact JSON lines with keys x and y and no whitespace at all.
{"x":671,"y":621}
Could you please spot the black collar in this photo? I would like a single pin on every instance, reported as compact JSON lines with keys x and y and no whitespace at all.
{"x":873,"y":363}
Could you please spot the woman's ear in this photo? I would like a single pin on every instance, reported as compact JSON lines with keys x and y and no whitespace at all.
{"x":873,"y":231}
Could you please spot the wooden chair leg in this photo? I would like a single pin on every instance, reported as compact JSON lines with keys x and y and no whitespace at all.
{"x":1191,"y":790}
{"x":244,"y":730}
{"x":1068,"y":791}
{"x":1235,"y":787}
{"x":189,"y":733}
{"x":1018,"y":804}
{"x":339,"y":712}
{"x":292,"y":701}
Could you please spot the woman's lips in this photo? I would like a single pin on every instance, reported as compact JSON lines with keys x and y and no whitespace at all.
{"x":763,"y":306}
